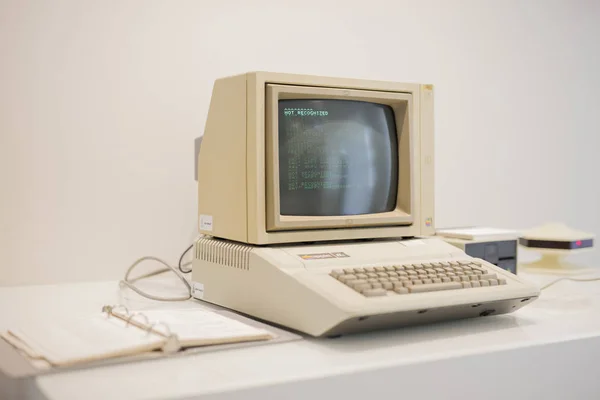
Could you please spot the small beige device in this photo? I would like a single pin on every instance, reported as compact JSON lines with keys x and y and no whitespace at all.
{"x":311,"y":191}
{"x":555,"y":242}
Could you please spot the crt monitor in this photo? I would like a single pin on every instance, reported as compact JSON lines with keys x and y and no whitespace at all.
{"x":336,"y":157}
{"x":294,"y":158}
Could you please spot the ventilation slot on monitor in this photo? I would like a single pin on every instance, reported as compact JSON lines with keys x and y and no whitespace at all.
{"x":223,"y":252}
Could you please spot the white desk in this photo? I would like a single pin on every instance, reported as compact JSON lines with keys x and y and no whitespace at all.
{"x":550,"y":350}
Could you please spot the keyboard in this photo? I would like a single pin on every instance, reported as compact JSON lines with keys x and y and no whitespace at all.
{"x":341,"y":288}
{"x":417,"y":278}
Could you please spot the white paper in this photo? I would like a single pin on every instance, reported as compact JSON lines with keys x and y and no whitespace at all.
{"x":196,"y":324}
{"x":72,"y":340}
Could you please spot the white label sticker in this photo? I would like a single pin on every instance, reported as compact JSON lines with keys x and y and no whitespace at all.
{"x":412,"y":243}
{"x":206,"y":223}
{"x":198,"y":289}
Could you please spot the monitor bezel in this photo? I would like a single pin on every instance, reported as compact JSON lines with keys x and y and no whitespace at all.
{"x":402,"y":105}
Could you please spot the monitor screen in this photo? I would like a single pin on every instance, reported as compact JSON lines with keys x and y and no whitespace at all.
{"x":337,"y":157}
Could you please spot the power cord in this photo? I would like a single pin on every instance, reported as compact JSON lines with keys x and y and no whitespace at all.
{"x":570,"y":279}
{"x":186,"y":271}
{"x":179,"y":271}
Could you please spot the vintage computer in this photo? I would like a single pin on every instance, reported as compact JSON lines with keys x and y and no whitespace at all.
{"x":316,"y":209}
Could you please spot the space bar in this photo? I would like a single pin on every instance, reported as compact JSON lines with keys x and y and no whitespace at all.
{"x":434,"y":287}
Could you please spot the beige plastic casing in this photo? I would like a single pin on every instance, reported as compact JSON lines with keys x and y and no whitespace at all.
{"x":277,"y":284}
{"x":556,"y":232}
{"x":237,"y":165}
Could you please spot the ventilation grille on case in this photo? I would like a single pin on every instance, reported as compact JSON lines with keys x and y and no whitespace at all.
{"x":223,"y":252}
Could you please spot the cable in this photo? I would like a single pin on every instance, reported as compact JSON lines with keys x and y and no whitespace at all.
{"x":130,"y":282}
{"x":570,"y":279}
{"x":187,"y":271}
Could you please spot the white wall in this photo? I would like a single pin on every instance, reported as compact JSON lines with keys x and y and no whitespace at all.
{"x":100,"y":103}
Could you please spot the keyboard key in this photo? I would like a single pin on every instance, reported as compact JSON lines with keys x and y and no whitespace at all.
{"x":362,"y":287}
{"x":445,"y":279}
{"x":501,"y":281}
{"x":374,"y":292}
{"x":359,"y":270}
{"x":487,"y":276}
{"x":412,"y":273}
{"x":373,"y":280}
{"x":371,"y":274}
{"x":464,"y":262}
{"x":473,"y":277}
{"x":389,"y":268}
{"x":336,"y":272}
{"x":408,"y":267}
{"x":453,"y":263}
{"x":427,"y":281}
{"x":399,"y":267}
{"x":357,"y":282}
{"x":381,"y":280}
{"x":434,"y":287}
{"x":388,"y":285}
{"x":379,"y":269}
{"x":437,"y":280}
{"x":464,"y":278}
{"x":475,"y":284}
{"x":436,"y":264}
{"x":377,"y":285}
{"x":484,"y":283}
{"x":361,"y":276}
{"x":426,"y":265}
{"x":431,"y":271}
{"x":418,"y":266}
{"x":493,"y":282}
{"x":347,"y":277}
{"x":348,"y":270}
{"x":402,"y":273}
{"x":394,"y":279}
{"x":417,"y":282}
{"x":440,"y":270}
{"x":445,"y":264}
{"x":392,"y":273}
{"x":401,"y":290}
{"x":382,"y":274}
{"x":407,"y":283}
{"x":397,"y":285}
{"x":466,"y":285}
{"x":369,"y":269}
{"x":456,"y":279}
